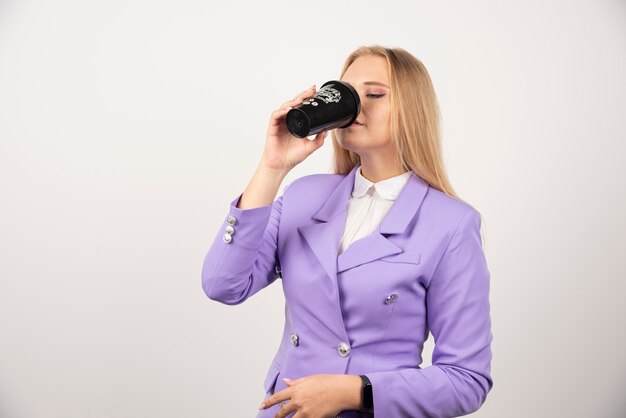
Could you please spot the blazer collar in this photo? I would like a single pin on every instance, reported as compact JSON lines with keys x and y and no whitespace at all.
{"x":400,"y":214}
{"x":388,"y":189}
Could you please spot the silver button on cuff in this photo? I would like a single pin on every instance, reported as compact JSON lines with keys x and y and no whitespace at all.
{"x":231,"y":220}
{"x":295,"y":339}
{"x":227,"y":238}
{"x":391,"y":298}
{"x":344,"y":349}
{"x":229,"y":229}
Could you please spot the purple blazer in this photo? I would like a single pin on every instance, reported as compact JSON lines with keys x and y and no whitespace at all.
{"x":368,"y":310}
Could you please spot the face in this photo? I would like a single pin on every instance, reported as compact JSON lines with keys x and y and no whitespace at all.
{"x":371,"y":132}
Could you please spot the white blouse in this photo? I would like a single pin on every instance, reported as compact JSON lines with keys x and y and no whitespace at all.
{"x":368,"y":205}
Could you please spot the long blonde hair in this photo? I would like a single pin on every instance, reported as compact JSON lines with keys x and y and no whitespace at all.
{"x":415,"y":124}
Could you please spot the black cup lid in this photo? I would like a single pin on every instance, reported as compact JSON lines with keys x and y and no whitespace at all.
{"x":355,"y":95}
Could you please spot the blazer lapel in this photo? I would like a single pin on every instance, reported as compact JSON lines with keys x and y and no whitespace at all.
{"x":381,"y":242}
{"x":324,"y":236}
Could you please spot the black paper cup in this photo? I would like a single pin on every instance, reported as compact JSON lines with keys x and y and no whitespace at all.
{"x":335,"y":105}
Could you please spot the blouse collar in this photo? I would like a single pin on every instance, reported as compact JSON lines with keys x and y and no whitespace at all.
{"x":389,"y":188}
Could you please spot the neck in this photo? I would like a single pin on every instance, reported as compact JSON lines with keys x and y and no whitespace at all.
{"x":376,"y":171}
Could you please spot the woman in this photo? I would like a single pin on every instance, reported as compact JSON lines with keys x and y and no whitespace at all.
{"x":372,"y":258}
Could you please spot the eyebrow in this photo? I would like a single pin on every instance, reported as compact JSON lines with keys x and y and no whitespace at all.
{"x":376,"y":83}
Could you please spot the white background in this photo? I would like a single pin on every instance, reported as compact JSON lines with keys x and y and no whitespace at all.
{"x":127,"y":127}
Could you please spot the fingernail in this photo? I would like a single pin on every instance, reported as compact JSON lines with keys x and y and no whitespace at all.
{"x":286,"y":379}
{"x":262,"y":405}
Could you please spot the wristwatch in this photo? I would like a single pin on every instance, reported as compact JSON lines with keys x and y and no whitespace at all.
{"x":367,"y":396}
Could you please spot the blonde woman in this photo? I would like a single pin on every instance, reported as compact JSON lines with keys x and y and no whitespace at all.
{"x":372,"y":258}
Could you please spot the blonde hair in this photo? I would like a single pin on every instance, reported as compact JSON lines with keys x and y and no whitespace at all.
{"x":415,"y":125}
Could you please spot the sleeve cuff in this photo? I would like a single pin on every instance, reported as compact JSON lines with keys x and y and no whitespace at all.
{"x":245,"y":227}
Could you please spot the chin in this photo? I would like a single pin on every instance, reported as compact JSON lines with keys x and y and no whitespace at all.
{"x":347,"y":145}
{"x":348,"y":140}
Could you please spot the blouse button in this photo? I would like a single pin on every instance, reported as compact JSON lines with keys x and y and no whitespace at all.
{"x":391,"y":298}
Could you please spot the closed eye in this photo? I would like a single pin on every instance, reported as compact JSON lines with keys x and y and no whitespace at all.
{"x":376,"y":96}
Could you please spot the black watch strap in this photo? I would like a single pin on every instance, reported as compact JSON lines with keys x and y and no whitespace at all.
{"x":367,"y":395}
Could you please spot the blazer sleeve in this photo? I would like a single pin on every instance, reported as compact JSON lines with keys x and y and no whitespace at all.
{"x":458,"y":314}
{"x":234,"y":271}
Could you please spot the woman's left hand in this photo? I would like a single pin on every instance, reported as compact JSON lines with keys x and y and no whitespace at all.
{"x":319,"y":395}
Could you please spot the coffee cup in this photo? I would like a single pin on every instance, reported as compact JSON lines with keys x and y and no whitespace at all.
{"x":335,"y":105}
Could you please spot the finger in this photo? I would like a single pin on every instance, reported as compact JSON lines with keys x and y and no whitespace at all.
{"x":306,"y":93}
{"x":277,"y":116}
{"x":317,"y":142}
{"x":280,"y":112}
{"x":293,"y":102}
{"x":320,"y":136}
{"x":285,"y":410}
{"x":276,"y":398}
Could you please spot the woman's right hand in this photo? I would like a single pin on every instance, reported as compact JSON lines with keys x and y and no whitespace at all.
{"x":284,"y":151}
